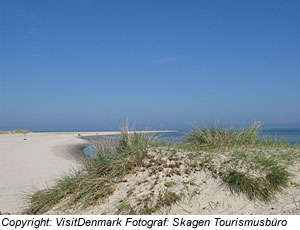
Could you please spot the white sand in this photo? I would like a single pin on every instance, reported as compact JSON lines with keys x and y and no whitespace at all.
{"x":38,"y":161}
{"x":35,"y":163}
{"x":200,"y":193}
{"x":26,"y":165}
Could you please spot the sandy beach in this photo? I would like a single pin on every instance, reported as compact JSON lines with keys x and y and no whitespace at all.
{"x":35,"y":163}
{"x":31,"y":164}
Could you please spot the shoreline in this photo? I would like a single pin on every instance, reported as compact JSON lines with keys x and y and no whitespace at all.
{"x":35,"y":163}
{"x":108,"y":133}
{"x":73,"y":152}
{"x":174,"y":180}
{"x":103,"y":133}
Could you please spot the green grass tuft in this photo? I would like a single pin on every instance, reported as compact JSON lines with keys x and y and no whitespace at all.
{"x":134,"y":142}
{"x":263,"y":188}
{"x":97,"y":177}
{"x":220,"y":137}
{"x":253,"y":187}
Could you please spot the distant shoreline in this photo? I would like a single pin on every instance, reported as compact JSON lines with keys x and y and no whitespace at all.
{"x":108,"y":132}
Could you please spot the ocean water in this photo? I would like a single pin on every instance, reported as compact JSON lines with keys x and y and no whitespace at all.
{"x":291,"y":136}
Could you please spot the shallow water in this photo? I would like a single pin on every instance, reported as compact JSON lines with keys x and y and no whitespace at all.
{"x":292,"y":136}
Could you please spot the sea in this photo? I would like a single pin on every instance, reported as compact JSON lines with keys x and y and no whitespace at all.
{"x":291,"y":136}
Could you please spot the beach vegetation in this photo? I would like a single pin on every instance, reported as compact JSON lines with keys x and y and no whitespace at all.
{"x":24,"y":131}
{"x":97,"y":177}
{"x":240,"y":159}
{"x":217,"y":136}
{"x":246,"y":163}
{"x":148,"y":204}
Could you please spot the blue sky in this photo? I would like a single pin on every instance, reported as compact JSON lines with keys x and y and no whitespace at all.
{"x":84,"y":64}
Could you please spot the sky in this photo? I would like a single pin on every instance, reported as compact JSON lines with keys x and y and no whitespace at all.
{"x":90,"y":65}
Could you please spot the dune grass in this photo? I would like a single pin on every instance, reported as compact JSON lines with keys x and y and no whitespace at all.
{"x":258,"y":177}
{"x":245,"y":163}
{"x":97,"y":177}
{"x":220,"y":137}
{"x":148,"y":205}
{"x":248,"y":164}
{"x":24,"y":131}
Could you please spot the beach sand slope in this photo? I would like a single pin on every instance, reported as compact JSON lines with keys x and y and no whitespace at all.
{"x":28,"y":165}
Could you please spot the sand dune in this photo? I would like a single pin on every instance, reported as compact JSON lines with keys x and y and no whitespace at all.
{"x":200,"y":193}
{"x":35,"y":163}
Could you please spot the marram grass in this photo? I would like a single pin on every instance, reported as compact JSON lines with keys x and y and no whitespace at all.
{"x":246,"y":164}
{"x":220,"y":137}
{"x":97,"y":177}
